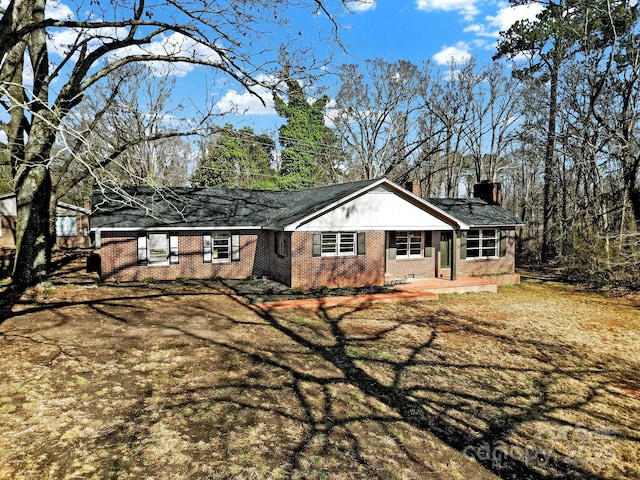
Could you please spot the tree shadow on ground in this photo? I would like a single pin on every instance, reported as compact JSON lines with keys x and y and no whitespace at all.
{"x":491,"y":446}
{"x":359,"y":392}
{"x":66,"y":266}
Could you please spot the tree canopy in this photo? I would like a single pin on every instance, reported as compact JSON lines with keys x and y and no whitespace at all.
{"x":236,"y":159}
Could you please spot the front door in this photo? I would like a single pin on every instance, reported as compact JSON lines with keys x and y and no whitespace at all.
{"x":446,"y":249}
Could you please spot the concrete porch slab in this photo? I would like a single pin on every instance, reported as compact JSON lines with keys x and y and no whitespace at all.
{"x":445,"y":286}
{"x":415,"y":289}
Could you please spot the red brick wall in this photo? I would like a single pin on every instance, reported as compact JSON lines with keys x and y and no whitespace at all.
{"x":118,"y":255}
{"x":429,"y":267}
{"x":425,"y":267}
{"x":278,"y":266}
{"x":309,"y":272}
{"x":299,"y":268}
{"x":262,"y":258}
{"x":490,"y":266}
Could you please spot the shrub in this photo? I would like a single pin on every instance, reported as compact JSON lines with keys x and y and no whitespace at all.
{"x":604,"y":263}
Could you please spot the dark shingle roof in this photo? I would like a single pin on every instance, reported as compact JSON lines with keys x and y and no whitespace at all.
{"x":143,"y":207}
{"x":311,"y":201}
{"x":475,"y":212}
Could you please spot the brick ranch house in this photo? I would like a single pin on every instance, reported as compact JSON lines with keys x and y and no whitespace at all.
{"x":354,"y":234}
{"x":72,"y":223}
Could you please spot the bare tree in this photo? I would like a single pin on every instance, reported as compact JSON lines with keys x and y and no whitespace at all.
{"x":232,"y":38}
{"x":129,"y":130}
{"x":387,"y":120}
{"x":450,"y":105}
{"x":495,"y":109}
{"x":375,"y":112}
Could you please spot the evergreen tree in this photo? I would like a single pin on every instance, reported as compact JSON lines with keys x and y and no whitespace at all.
{"x":254,"y":167}
{"x":236,"y":159}
{"x":547,"y":41}
{"x":564,"y":32}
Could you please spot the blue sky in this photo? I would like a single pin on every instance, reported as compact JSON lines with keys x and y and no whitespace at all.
{"x":415,"y":30}
{"x":418,"y":30}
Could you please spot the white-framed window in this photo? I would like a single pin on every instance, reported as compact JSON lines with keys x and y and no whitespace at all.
{"x":206,"y":248}
{"x":157,"y":249}
{"x":409,"y":244}
{"x":328,"y":244}
{"x":333,"y":244}
{"x":281,"y":244}
{"x":347,"y":243}
{"x":338,"y":244}
{"x":66,"y":226}
{"x":220,"y":247}
{"x":483,"y":243}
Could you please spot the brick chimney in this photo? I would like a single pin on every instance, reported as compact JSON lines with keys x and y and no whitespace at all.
{"x":490,"y":192}
{"x":413,"y":186}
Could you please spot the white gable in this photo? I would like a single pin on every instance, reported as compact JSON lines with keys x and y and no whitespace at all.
{"x":379,"y":209}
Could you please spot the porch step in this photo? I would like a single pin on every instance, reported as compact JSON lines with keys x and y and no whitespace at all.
{"x":325,"y":302}
{"x":443,"y":286}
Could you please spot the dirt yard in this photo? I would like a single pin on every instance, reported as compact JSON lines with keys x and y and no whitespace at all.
{"x":187,"y":381}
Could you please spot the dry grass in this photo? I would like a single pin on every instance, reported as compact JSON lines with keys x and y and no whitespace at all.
{"x":175,"y":381}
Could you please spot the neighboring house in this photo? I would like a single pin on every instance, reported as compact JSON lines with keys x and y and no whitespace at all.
{"x":72,"y":223}
{"x":7,"y":220}
{"x":354,"y":234}
{"x":72,"y":226}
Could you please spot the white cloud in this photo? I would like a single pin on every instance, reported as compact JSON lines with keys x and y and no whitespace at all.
{"x":61,"y":41}
{"x":174,"y":45}
{"x":481,"y":30}
{"x":58,"y":11}
{"x":361,"y":5}
{"x":54,"y":9}
{"x":507,"y":15}
{"x":458,"y":53}
{"x":331,"y":112}
{"x":247,"y":103}
{"x":503,"y":19}
{"x":467,"y":8}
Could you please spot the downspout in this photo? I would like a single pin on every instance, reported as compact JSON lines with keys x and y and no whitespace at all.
{"x":454,"y":252}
